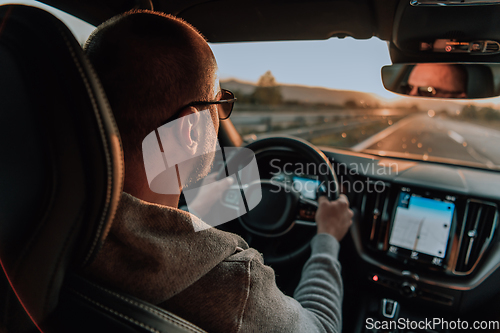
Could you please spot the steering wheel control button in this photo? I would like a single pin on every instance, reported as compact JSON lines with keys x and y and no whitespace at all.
{"x":306,"y":214}
{"x":307,"y":209}
{"x":408,"y":289}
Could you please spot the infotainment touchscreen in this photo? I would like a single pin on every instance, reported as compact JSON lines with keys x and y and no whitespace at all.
{"x":421,"y":228}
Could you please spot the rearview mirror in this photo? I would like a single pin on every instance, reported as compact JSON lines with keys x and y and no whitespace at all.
{"x":443,"y":80}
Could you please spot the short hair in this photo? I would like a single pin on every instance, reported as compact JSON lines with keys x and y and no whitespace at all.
{"x":148,"y":63}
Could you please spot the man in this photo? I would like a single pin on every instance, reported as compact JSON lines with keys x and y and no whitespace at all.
{"x":437,"y":80}
{"x":153,"y":67}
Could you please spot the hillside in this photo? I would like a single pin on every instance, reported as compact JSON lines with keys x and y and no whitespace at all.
{"x":339,"y":97}
{"x":305,"y":93}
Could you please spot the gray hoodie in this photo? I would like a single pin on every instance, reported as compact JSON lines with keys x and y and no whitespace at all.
{"x":212,"y":278}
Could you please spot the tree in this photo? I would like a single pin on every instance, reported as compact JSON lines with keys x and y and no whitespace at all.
{"x":351,"y":104}
{"x":489,"y":113}
{"x":267,"y":91}
{"x":469,"y":111}
{"x":414,"y":108}
{"x":242,"y":97}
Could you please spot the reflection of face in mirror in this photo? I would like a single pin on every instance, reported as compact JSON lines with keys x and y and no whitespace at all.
{"x":437,"y":80}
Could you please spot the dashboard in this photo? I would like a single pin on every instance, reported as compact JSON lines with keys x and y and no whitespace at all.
{"x":423,"y":231}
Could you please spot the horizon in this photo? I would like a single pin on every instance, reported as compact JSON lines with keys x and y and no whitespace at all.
{"x":340,"y":64}
{"x":398,"y":100}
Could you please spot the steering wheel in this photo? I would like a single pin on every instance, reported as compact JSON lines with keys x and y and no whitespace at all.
{"x":281,"y":207}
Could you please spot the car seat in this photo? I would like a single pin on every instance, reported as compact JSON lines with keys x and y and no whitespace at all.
{"x":61,"y":175}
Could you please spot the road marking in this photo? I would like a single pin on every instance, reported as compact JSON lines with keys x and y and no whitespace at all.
{"x":383,"y":134}
{"x":472,"y":152}
{"x":456,"y":137}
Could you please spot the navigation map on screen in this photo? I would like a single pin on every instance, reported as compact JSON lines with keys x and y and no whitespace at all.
{"x":422,"y":224}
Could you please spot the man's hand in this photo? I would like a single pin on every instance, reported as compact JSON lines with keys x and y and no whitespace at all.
{"x":334,"y":217}
{"x":208,"y":196}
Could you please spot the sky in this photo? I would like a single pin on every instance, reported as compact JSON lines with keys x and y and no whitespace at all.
{"x":348,"y":63}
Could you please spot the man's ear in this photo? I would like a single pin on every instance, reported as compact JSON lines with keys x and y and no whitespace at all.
{"x":188,"y":133}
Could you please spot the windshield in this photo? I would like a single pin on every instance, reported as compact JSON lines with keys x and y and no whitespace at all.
{"x":331,"y":94}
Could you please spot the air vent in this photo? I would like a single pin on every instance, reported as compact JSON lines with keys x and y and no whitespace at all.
{"x":492,"y":47}
{"x":375,"y":216}
{"x":478,"y":230}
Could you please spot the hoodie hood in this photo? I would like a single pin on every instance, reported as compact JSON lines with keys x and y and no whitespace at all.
{"x":158,"y":251}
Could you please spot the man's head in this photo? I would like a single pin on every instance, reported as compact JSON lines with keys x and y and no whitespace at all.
{"x":438,"y":80}
{"x":151,"y":65}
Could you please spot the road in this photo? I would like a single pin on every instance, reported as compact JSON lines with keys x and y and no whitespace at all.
{"x":256,"y":117}
{"x":438,"y":137}
{"x":420,"y":135}
{"x":310,"y":124}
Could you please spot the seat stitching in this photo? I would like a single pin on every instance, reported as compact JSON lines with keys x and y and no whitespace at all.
{"x":106,"y":153}
{"x":121,"y":315}
{"x":108,"y":107}
{"x":104,"y":140}
{"x":108,"y":160}
{"x":147,"y":308}
{"x":172,"y":320}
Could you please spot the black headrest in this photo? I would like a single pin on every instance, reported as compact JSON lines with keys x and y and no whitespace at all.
{"x":61,"y":164}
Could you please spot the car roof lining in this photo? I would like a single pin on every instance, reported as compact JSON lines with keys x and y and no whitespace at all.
{"x":274,"y":20}
{"x":255,"y":20}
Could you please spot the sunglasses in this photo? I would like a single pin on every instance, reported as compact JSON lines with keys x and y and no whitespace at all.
{"x":428,"y":91}
{"x":224,"y":100}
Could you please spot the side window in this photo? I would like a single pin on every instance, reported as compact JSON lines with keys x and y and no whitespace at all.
{"x":80,"y":29}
